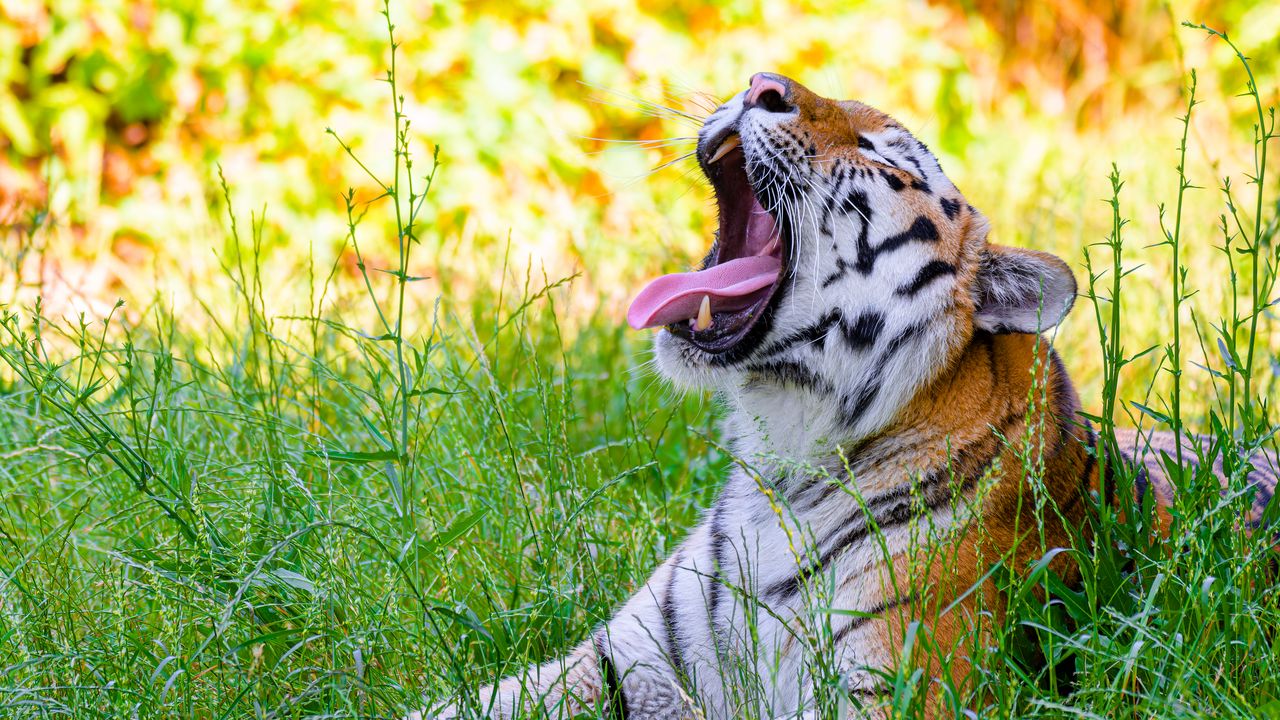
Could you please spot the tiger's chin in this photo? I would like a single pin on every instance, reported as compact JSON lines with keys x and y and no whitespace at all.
{"x":688,"y":368}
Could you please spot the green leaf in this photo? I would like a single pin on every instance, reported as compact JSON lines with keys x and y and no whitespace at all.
{"x":433,"y":391}
{"x":1038,"y":568}
{"x":1270,"y":711}
{"x":355,"y":457}
{"x":294,"y":580}
{"x":382,"y":440}
{"x":1228,"y":356}
{"x":455,"y":530}
{"x":848,"y":612}
{"x":1076,"y":602}
{"x":1210,"y":370}
{"x":1149,"y":412}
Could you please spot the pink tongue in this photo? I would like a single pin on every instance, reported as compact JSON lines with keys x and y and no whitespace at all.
{"x":732,"y":285}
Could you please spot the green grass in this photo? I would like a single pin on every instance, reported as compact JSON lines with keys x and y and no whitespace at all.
{"x":337,"y":510}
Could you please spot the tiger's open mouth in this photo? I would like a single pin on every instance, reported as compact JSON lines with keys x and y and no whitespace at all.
{"x":717,"y":308}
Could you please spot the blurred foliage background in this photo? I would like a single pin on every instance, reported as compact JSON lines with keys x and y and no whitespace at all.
{"x":115,"y":116}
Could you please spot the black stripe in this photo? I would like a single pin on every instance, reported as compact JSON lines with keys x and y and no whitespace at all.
{"x":824,"y":491}
{"x":856,"y":202}
{"x":842,"y":268}
{"x":912,"y":159}
{"x":718,"y":540}
{"x":901,"y":339}
{"x":880,"y":608}
{"x":1066,"y":426}
{"x":858,"y":335}
{"x":862,"y":692}
{"x":615,"y":699}
{"x":854,"y":406}
{"x":988,"y":341}
{"x":791,"y":585}
{"x":1065,"y":510}
{"x":864,"y":331}
{"x":895,"y":183}
{"x":888,"y":509}
{"x":815,"y":334}
{"x":791,"y":372}
{"x":930,"y":272}
{"x":669,"y":620}
{"x":1061,"y":388}
{"x":950,"y":207}
{"x":922,"y":230}
{"x":895,"y":506}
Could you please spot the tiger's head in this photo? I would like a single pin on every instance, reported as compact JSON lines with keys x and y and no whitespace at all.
{"x":847,"y":273}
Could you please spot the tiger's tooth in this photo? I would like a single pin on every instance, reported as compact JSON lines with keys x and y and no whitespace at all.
{"x":704,"y":314}
{"x":729,"y":143}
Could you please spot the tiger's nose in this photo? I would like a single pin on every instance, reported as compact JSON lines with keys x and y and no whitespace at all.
{"x":769,"y":92}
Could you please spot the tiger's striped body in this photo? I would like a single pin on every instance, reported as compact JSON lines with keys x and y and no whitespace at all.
{"x":885,"y":399}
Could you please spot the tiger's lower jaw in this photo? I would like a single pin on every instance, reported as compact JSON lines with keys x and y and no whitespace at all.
{"x":687,"y":368}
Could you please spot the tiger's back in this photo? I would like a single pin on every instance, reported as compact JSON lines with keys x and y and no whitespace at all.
{"x":1148,"y":453}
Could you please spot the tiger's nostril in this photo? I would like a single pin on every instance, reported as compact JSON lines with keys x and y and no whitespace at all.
{"x":768,"y":92}
{"x":772,"y":101}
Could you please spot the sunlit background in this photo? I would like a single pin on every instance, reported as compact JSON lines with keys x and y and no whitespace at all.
{"x":555,"y":123}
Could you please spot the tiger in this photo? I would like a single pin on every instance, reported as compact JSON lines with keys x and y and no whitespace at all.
{"x":885,"y":375}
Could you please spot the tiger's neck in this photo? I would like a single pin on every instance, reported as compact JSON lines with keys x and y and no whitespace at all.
{"x":789,"y":429}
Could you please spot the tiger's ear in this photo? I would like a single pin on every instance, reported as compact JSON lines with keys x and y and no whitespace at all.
{"x":1021,"y":291}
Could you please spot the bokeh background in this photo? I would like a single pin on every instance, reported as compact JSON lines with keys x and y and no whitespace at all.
{"x":556,"y":122}
{"x":114,"y":117}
